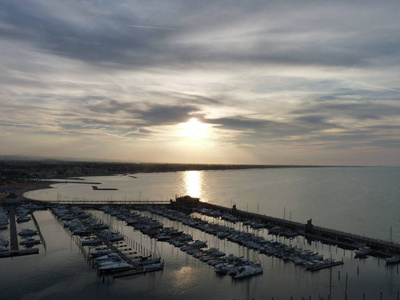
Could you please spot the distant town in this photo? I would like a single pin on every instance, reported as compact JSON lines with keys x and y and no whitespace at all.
{"x":25,"y":169}
{"x":20,"y":174}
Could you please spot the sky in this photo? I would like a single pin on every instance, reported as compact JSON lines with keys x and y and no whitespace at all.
{"x":192,"y":81}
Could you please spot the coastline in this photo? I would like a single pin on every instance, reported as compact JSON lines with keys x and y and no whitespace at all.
{"x":38,"y":185}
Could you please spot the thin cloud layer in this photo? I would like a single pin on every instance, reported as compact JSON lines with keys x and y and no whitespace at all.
{"x":275,"y":82}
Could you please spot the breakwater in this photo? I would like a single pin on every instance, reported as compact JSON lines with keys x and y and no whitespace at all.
{"x":330,"y":236}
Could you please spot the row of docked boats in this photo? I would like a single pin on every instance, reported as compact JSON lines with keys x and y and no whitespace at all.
{"x":216,"y":214}
{"x":309,"y":260}
{"x":94,"y":233}
{"x":212,"y":256}
{"x":361,"y":252}
{"x":111,"y":261}
{"x":22,"y":214}
{"x":79,"y":223}
{"x":254,"y":224}
{"x":3,"y":218}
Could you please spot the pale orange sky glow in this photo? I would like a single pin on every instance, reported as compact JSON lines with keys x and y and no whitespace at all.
{"x":191,"y":82}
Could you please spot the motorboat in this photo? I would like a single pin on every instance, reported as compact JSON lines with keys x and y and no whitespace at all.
{"x":393,"y":260}
{"x":75,"y":223}
{"x":29,"y":242}
{"x":111,"y":236}
{"x":91,"y":242}
{"x":109,"y":256}
{"x":3,"y":242}
{"x":22,"y":219}
{"x":27,"y":232}
{"x":111,"y":261}
{"x":215,"y":252}
{"x":149,"y":261}
{"x":81,"y":231}
{"x":3,"y":222}
{"x":199,"y":244}
{"x":119,"y":265}
{"x":100,"y":252}
{"x":153,"y":267}
{"x":247,"y":271}
{"x":362,"y":252}
{"x":162,"y":237}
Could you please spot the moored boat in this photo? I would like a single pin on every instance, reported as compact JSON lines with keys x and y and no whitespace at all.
{"x":248,"y":271}
{"x":393,"y":260}
{"x":119,"y":265}
{"x":27,"y":232}
{"x":29,"y":242}
{"x":362,"y":252}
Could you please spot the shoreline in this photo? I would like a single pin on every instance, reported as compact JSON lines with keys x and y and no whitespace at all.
{"x":39,"y":185}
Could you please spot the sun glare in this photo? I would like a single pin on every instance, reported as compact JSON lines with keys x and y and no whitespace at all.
{"x":193,"y":182}
{"x":194,"y":129}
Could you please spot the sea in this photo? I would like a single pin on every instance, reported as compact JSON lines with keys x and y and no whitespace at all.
{"x":359,"y":200}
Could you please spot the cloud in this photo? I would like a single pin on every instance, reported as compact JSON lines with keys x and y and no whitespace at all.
{"x":166,"y":115}
{"x":303,"y":75}
{"x":152,"y":27}
{"x":105,"y":34}
{"x":145,"y":114}
{"x":358,"y":110}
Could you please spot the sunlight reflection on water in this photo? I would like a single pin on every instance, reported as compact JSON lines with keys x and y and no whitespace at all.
{"x":193,"y":182}
{"x":183,"y":279}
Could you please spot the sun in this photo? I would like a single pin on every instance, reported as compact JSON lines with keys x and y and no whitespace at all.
{"x":194,"y":129}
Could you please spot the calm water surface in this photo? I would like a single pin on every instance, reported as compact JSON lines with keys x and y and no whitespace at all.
{"x":365,"y":201}
{"x":358,"y":200}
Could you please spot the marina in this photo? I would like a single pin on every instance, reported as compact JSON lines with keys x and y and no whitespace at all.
{"x":181,"y":210}
{"x":95,"y":233}
{"x":257,"y":250}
